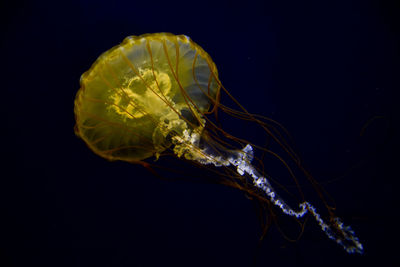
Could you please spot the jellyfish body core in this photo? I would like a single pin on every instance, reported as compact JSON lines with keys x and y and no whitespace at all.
{"x":151,"y":94}
{"x":133,"y":98}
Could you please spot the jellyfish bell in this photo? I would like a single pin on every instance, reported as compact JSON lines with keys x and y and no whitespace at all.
{"x":139,"y":94}
{"x":153,"y":93}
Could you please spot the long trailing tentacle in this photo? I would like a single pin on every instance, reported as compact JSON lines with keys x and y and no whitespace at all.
{"x":241,"y":160}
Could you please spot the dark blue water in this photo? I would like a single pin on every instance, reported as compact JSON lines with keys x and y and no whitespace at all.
{"x":328,"y":72}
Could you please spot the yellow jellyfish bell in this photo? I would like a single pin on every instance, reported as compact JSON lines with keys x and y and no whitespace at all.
{"x":142,"y":94}
{"x":152,"y":92}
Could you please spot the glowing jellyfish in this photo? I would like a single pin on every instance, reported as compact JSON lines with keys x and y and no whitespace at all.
{"x":154,"y":93}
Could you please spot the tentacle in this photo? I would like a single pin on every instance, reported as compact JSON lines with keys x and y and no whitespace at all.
{"x":335,"y":229}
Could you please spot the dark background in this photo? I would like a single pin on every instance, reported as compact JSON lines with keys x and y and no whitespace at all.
{"x":327,"y":70}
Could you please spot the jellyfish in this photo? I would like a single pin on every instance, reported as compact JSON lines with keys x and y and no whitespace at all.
{"x":155,"y":94}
